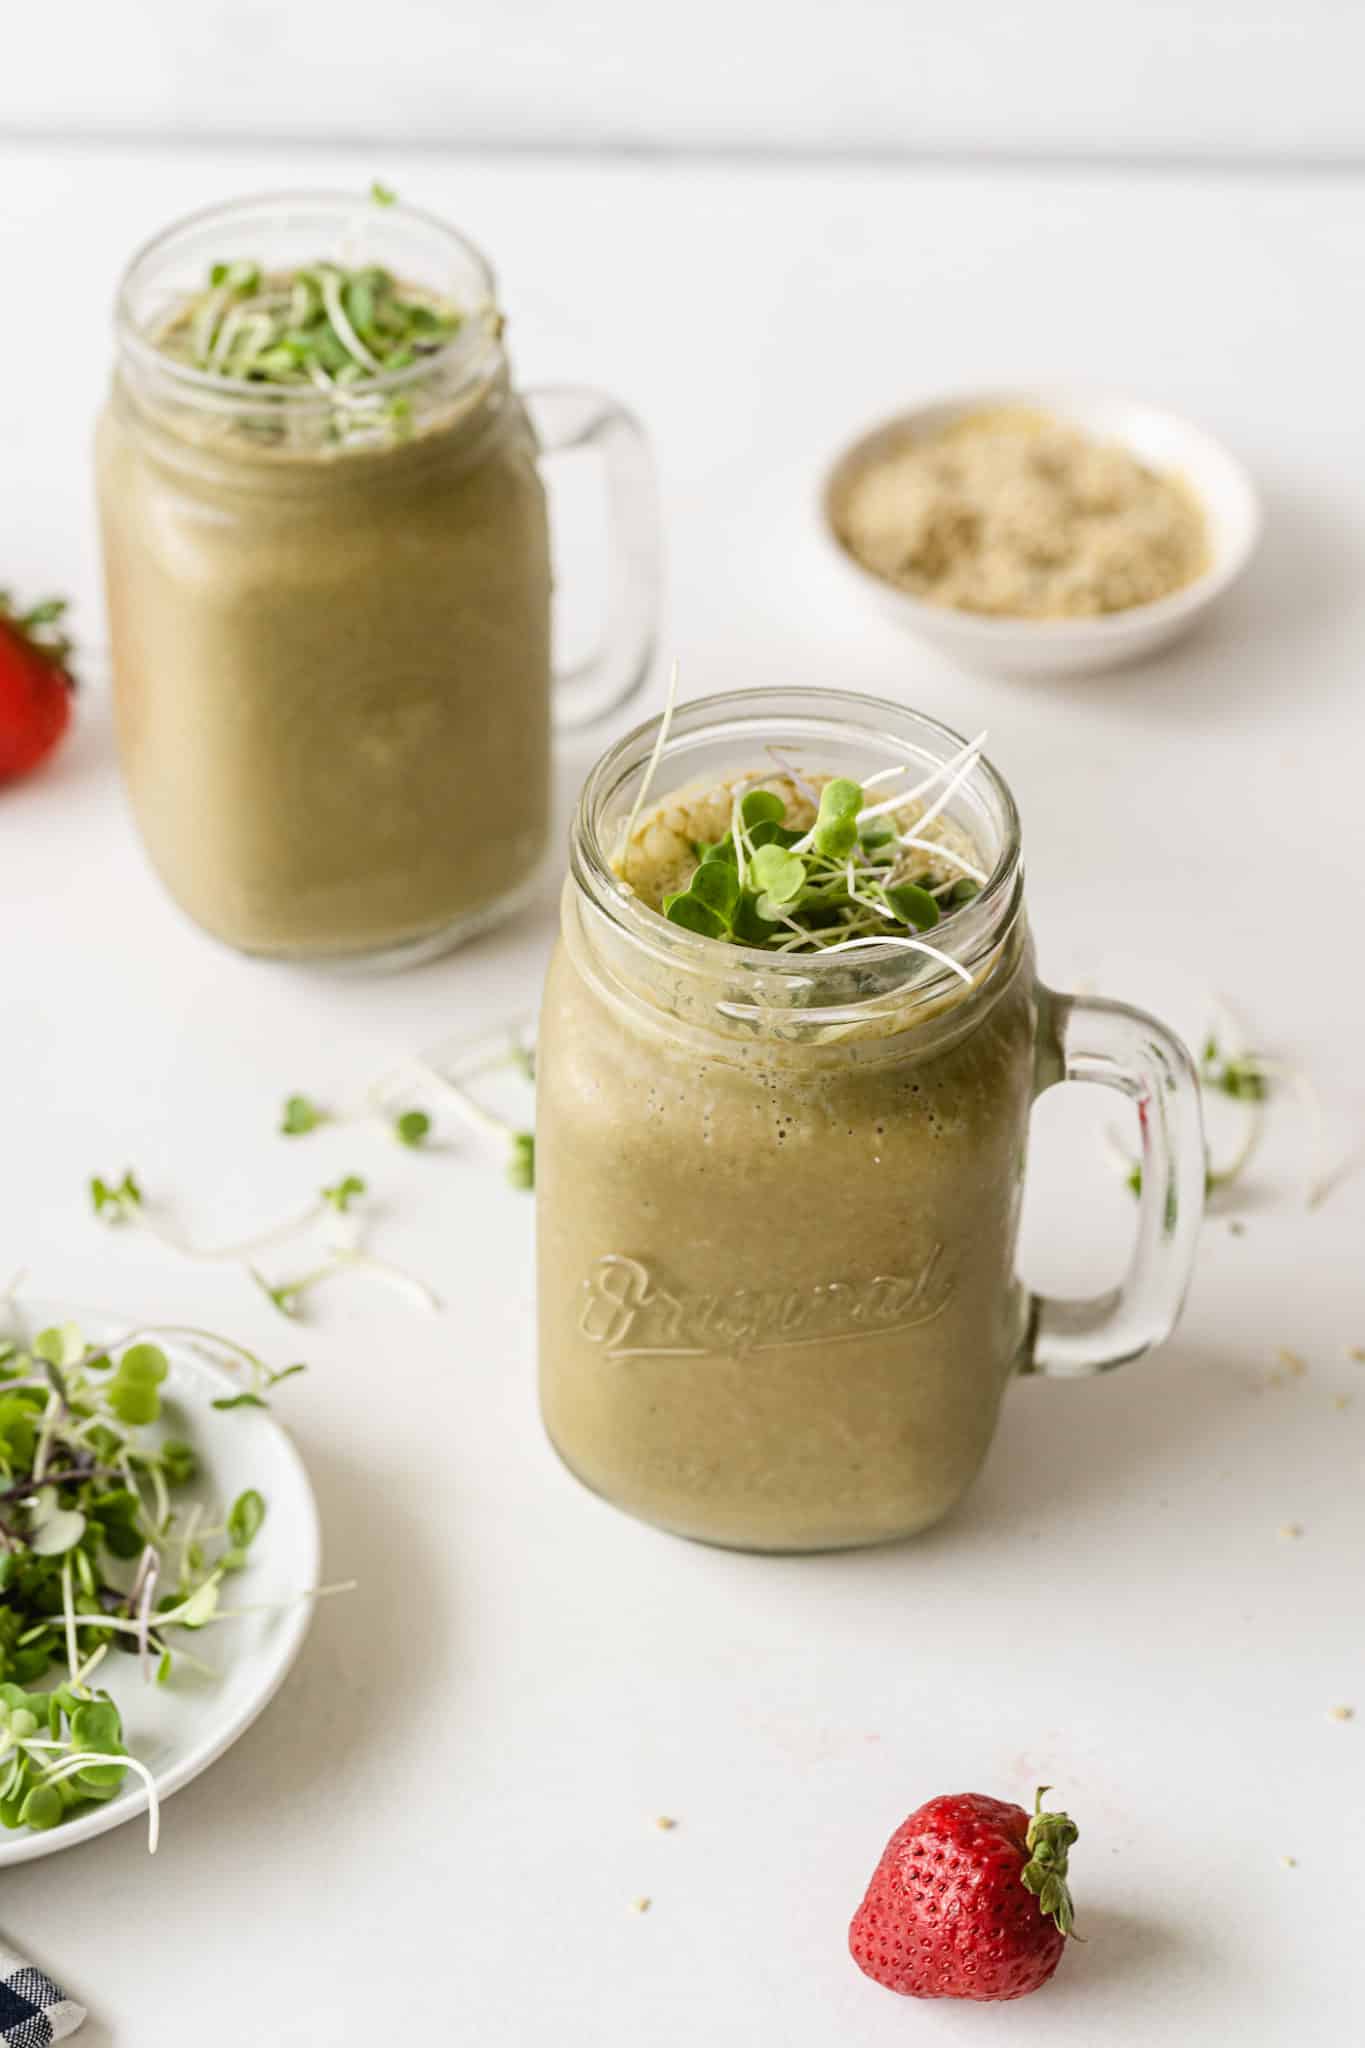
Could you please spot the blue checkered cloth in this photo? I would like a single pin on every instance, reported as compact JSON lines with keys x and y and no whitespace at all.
{"x":33,"y":2010}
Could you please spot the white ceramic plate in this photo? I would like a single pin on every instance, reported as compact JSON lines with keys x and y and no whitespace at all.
{"x":1057,"y":647}
{"x":180,"y":1728}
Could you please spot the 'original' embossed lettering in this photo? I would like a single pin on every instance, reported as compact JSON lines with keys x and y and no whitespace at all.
{"x":630,"y":1315}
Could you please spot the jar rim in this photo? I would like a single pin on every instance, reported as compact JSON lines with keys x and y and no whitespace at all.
{"x":824,"y":986}
{"x":464,"y":355}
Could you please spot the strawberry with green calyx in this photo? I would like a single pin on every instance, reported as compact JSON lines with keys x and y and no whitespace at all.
{"x":969,"y":1900}
{"x":35,"y":684}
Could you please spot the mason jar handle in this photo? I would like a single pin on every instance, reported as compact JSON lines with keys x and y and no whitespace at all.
{"x":1126,"y":1049}
{"x":567,"y":417}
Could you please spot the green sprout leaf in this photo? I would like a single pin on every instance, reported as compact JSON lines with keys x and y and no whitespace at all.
{"x":284,"y":1297}
{"x":228,"y":1401}
{"x":836,"y":826}
{"x":201,"y":1607}
{"x":716,"y":884}
{"x":912,"y":905}
{"x":53,"y":1530}
{"x":761,"y":807}
{"x":285,"y":1372}
{"x":179,"y":1461}
{"x":382,"y":195}
{"x":693,"y":915}
{"x":412,"y":1128}
{"x":777,"y":874}
{"x":115,"y":1201}
{"x":133,"y":1392}
{"x":62,"y":1347}
{"x":521,"y":1167}
{"x":343,"y":1192}
{"x":245,"y":1517}
{"x":299,"y":1116}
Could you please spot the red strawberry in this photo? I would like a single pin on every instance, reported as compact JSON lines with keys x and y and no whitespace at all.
{"x":35,"y":687}
{"x":968,"y":1901}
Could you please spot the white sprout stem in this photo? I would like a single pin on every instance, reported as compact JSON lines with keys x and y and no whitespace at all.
{"x":187,"y":1540}
{"x":910,"y":945}
{"x":936,"y":846}
{"x":950,"y":790}
{"x":465,"y":1061}
{"x":226,"y":335}
{"x":336,"y":313}
{"x":81,"y":1682}
{"x":173,"y":1616}
{"x":161,"y":1496}
{"x":277,"y":1606}
{"x":886,"y":775}
{"x":1224,"y":1176}
{"x":1318,"y":1183}
{"x":397,"y":1276}
{"x":73,"y":1655}
{"x":963,"y":761}
{"x":47,"y":1431}
{"x":473,"y":1112}
{"x":807,"y":789}
{"x":867,"y":901}
{"x":84,"y":1759}
{"x":261,"y":1240}
{"x":144,"y":1619}
{"x":184,"y":1656}
{"x":661,"y":740}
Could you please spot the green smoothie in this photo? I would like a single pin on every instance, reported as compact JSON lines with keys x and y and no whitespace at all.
{"x":778,"y":1305}
{"x":329,"y":602}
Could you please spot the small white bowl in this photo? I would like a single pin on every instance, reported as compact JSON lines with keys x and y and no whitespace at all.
{"x":1057,"y":647}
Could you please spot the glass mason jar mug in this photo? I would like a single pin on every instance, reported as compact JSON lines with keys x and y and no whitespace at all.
{"x":779,"y":1194}
{"x":330,"y":609}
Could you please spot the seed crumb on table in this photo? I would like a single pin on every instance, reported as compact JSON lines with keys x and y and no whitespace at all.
{"x":641,"y":1905}
{"x":1291,"y":1529}
{"x":666,"y":1822}
{"x":1341,"y":1713}
{"x":1292,"y":1361}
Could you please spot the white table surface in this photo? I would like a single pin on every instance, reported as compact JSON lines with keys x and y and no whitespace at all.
{"x":437,"y":1832}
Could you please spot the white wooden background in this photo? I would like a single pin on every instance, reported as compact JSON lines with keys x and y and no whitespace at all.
{"x":1164,"y":79}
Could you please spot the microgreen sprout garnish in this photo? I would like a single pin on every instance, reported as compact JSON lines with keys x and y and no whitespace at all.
{"x":521,"y":1167}
{"x":97,"y":1555}
{"x":856,"y":875}
{"x":519,"y":1144}
{"x":412,"y":1127}
{"x":116,"y":1201}
{"x":124,"y":1203}
{"x":1227,"y":1068}
{"x":299,"y":1116}
{"x":333,"y":326}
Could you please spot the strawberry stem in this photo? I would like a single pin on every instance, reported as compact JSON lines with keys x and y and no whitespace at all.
{"x":40,"y":625}
{"x":1049,"y":1838}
